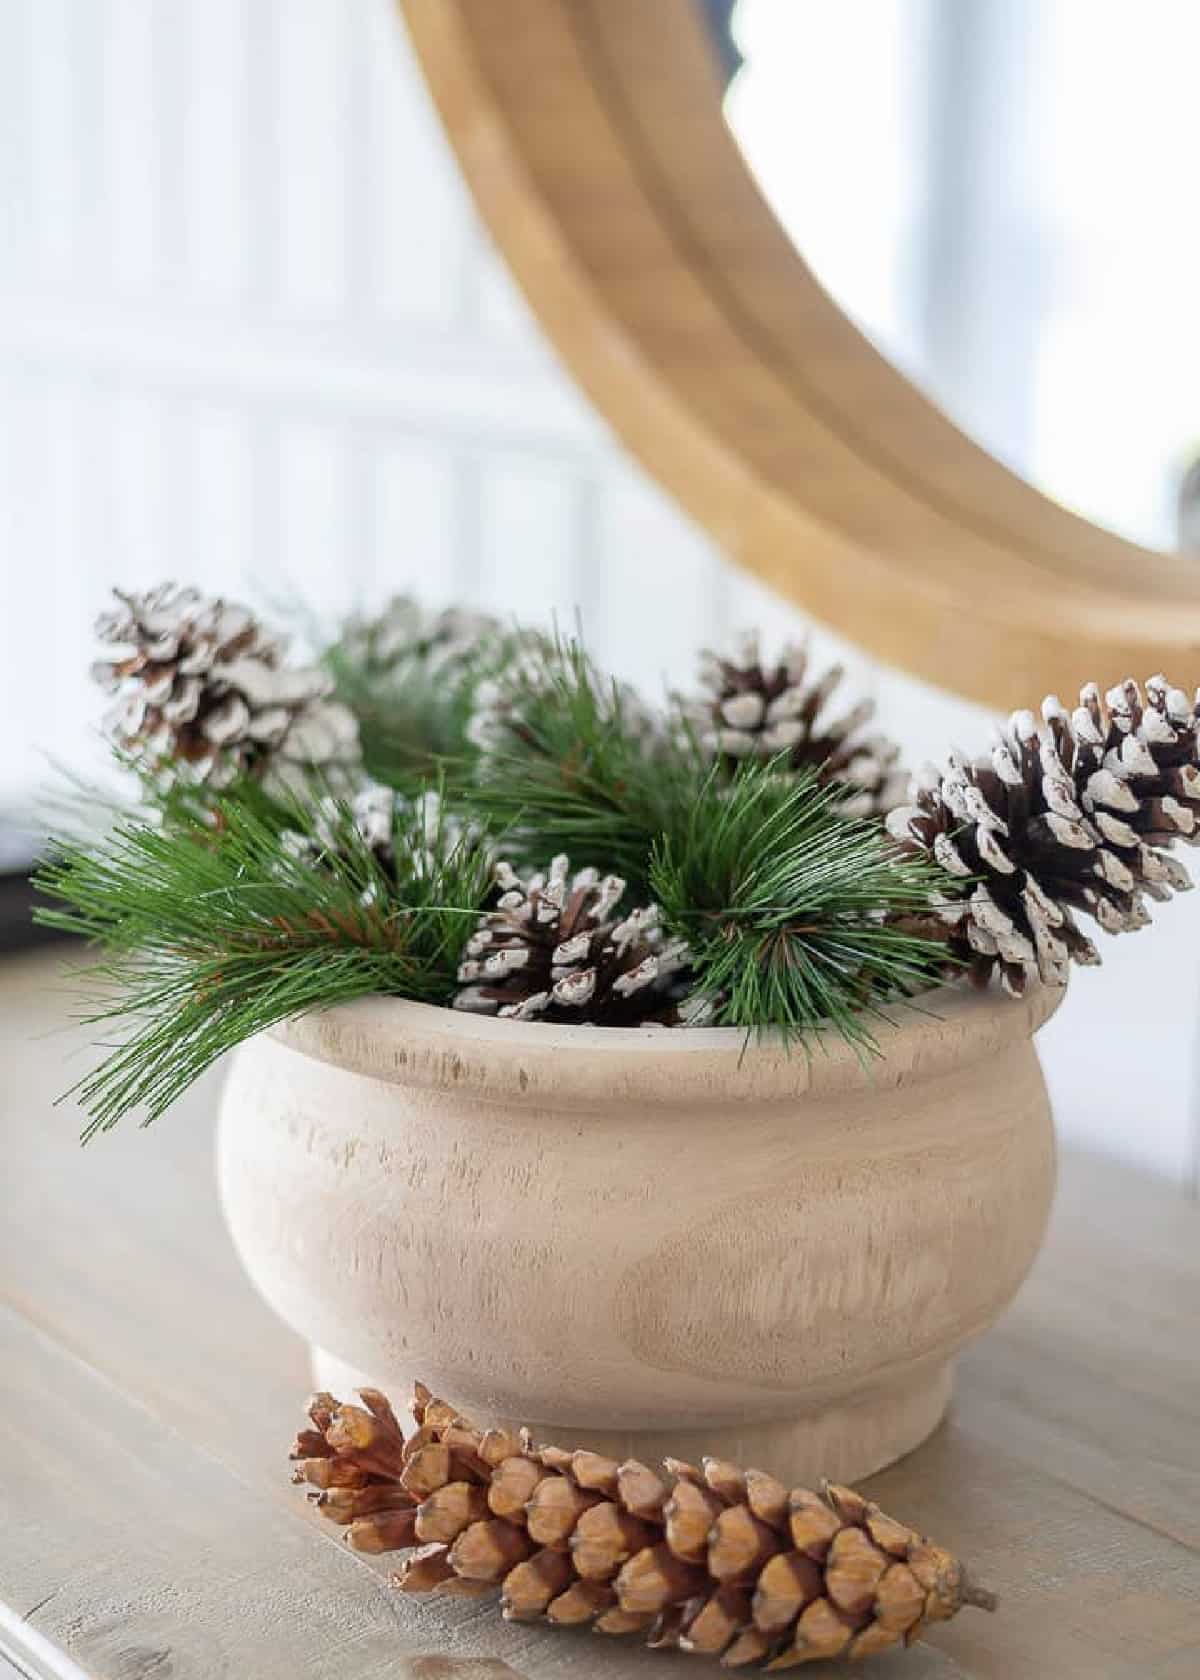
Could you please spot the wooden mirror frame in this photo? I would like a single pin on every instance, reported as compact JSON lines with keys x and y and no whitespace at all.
{"x":592,"y":137}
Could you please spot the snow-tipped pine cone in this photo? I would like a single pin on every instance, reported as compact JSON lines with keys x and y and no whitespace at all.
{"x":1067,"y":816}
{"x":406,"y":838}
{"x":555,"y":949}
{"x":752,"y":709}
{"x":507,"y":701}
{"x":204,"y":695}
{"x":404,"y":633}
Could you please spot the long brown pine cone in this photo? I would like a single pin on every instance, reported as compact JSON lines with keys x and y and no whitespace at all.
{"x":724,"y":1562}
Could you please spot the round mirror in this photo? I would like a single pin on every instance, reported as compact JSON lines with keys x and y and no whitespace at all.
{"x":1030,"y":263}
{"x":999,"y":194}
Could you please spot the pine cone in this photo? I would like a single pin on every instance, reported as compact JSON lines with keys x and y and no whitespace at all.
{"x":760,"y":711}
{"x":405,"y":633}
{"x":1064,"y":817}
{"x":716,"y":1561}
{"x":205,"y":695}
{"x":553,"y":950}
{"x":407,"y":838}
{"x":507,"y":701}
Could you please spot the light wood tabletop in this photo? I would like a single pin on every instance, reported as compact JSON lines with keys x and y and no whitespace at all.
{"x":149,"y":1528}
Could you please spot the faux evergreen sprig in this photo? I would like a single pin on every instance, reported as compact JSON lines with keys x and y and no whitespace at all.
{"x":574,"y":762}
{"x":796,"y":915}
{"x":410,"y":675}
{"x":213,"y":930}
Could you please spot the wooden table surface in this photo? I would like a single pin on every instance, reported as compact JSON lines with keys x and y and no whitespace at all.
{"x":149,"y":1528}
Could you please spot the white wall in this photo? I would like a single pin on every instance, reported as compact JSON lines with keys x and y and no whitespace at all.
{"x":252,"y":334}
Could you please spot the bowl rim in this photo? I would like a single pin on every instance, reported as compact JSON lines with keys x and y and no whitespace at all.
{"x":429,"y":1047}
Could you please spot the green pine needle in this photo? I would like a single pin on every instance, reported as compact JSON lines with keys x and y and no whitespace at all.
{"x":212,"y":934}
{"x":413,"y":705}
{"x":580,"y":773}
{"x":795,"y":913}
{"x":409,"y":720}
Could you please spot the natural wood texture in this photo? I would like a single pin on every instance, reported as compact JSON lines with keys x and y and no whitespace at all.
{"x":646,"y":1241}
{"x":591,"y":134}
{"x":148,"y":1527}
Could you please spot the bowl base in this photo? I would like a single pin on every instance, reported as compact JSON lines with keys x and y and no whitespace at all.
{"x":846,"y":1442}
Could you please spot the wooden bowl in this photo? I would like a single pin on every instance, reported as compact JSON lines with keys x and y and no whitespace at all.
{"x":647,"y":1241}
